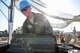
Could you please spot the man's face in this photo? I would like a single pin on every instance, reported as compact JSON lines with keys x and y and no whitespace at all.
{"x":26,"y":11}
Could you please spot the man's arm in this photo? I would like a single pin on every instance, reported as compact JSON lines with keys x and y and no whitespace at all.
{"x":24,"y":28}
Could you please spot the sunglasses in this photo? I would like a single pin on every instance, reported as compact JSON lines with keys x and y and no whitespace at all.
{"x":24,"y":9}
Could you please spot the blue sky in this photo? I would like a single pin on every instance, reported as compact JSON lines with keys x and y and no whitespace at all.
{"x":68,"y":6}
{"x":3,"y":21}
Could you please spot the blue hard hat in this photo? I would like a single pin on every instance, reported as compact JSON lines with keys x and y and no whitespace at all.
{"x":23,"y":4}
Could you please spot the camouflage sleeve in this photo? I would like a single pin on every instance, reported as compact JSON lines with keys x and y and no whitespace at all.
{"x":24,"y":28}
{"x":49,"y":30}
{"x":48,"y":27}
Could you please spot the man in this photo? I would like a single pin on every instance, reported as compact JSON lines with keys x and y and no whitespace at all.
{"x":37,"y":31}
{"x":35,"y":23}
{"x":36,"y":26}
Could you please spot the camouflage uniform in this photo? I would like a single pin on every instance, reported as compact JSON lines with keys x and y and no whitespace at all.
{"x":41,"y":26}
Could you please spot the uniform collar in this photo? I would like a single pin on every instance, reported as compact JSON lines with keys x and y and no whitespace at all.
{"x":32,"y":19}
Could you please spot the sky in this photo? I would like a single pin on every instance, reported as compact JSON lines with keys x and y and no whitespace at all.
{"x":69,"y":6}
{"x":3,"y":20}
